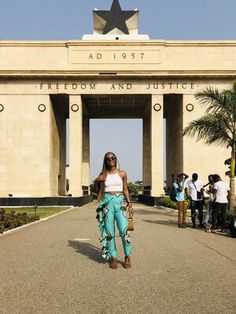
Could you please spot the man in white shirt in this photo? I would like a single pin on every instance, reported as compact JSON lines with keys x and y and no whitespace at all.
{"x":194,"y":192}
{"x":221,"y":194}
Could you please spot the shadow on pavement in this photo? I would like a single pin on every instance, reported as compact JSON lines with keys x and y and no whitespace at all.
{"x":145,"y":212}
{"x":163,"y":222}
{"x":87,"y":249}
{"x":172,"y":223}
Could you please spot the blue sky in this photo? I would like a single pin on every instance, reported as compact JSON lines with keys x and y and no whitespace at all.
{"x":71,"y":19}
{"x":161,"y":19}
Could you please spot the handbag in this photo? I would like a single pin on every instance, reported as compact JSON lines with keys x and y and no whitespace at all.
{"x":173,"y":194}
{"x":199,"y":194}
{"x":130,"y":223}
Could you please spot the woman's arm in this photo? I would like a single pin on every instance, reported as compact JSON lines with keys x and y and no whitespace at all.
{"x":98,"y":182}
{"x":179,"y":187}
{"x":126,"y":191}
{"x":187,"y":193}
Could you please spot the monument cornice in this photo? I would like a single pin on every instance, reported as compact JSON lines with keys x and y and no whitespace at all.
{"x":230,"y":74}
{"x":157,"y":42}
{"x":105,"y":43}
{"x":34,"y":43}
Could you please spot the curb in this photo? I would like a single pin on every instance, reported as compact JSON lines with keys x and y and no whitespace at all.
{"x":8,"y":232}
{"x":171,"y":209}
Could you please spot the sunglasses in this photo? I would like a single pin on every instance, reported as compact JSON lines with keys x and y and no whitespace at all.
{"x":110,"y":158}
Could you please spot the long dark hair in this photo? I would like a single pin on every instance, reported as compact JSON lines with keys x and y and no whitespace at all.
{"x":104,"y":172}
{"x":104,"y":165}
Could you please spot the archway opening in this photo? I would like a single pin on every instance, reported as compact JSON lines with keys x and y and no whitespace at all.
{"x":116,"y":124}
{"x":121,"y":136}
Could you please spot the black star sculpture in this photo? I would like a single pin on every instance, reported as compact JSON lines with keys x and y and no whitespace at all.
{"x":115,"y":18}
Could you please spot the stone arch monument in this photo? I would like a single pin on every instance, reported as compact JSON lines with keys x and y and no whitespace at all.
{"x":113,"y":73}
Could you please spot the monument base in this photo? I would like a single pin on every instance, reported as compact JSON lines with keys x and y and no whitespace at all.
{"x":45,"y":201}
{"x":149,"y":200}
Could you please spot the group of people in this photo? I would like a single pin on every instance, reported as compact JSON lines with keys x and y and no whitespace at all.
{"x":218,"y":193}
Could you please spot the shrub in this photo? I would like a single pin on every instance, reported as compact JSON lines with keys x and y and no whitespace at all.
{"x":231,"y":219}
{"x":133,"y":189}
{"x":167,"y":202}
{"x":12,"y":220}
{"x":231,"y":214}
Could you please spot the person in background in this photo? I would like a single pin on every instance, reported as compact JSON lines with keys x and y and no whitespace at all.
{"x":194,"y":192}
{"x":113,"y":191}
{"x":209,"y":191}
{"x":180,"y":198}
{"x":221,"y":195}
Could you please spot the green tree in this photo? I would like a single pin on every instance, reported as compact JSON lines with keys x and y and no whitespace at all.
{"x":133,"y":189}
{"x":218,"y":125}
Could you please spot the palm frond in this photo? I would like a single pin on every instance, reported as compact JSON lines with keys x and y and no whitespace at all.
{"x":212,"y":98}
{"x":210,"y":129}
{"x":230,"y":104}
{"x":218,"y":125}
{"x":218,"y":101}
{"x":234,"y":87}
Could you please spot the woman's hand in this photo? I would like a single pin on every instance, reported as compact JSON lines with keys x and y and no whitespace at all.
{"x":130,"y":209}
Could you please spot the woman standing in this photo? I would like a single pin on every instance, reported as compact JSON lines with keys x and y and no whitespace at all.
{"x":113,"y":191}
{"x":179,"y":188}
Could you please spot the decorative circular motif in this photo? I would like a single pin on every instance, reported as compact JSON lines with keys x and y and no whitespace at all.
{"x":74,"y":107}
{"x":189,"y":107}
{"x":1,"y":107}
{"x":157,"y":107}
{"x":41,"y":107}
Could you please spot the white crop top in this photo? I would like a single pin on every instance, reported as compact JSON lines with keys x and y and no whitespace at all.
{"x":113,"y":183}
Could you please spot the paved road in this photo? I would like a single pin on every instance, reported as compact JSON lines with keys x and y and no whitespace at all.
{"x":55,"y":267}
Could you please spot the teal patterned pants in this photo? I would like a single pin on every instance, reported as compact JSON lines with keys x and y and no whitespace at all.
{"x":109,"y":212}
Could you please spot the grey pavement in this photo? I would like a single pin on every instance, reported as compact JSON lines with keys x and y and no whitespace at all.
{"x":55,"y":267}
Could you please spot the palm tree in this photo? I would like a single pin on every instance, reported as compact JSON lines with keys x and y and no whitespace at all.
{"x":218,"y":125}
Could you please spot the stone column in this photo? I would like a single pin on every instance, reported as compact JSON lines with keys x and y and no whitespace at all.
{"x":198,"y":156}
{"x":191,"y":148}
{"x":25,"y":146}
{"x":174,"y":136}
{"x":157,"y":166}
{"x":85,"y":161}
{"x":75,"y":145}
{"x":146,"y":152}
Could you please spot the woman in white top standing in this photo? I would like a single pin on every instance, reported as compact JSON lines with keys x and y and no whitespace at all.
{"x":113,"y":191}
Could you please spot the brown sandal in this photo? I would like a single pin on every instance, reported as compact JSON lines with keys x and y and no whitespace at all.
{"x":127,"y":263}
{"x":113,"y":263}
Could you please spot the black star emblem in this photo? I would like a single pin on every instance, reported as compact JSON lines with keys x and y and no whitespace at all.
{"x":115,"y":18}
